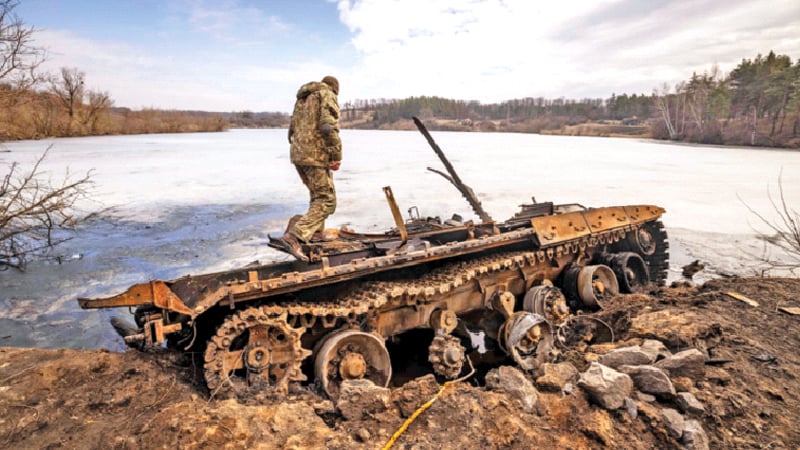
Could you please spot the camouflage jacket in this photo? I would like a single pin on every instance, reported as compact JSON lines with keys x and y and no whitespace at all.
{"x":314,"y":130}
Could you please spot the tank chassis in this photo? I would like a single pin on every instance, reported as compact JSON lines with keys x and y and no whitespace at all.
{"x":266,"y":326}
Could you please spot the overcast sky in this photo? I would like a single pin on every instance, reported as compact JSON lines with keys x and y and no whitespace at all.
{"x":234,"y":55}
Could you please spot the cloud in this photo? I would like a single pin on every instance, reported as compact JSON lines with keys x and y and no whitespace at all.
{"x":492,"y":50}
{"x":229,"y":22}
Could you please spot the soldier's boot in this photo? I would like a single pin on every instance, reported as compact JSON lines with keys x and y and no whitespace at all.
{"x":293,"y":246}
{"x":326,"y":235}
{"x":295,"y":218}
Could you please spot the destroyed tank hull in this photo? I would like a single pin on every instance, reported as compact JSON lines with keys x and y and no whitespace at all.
{"x":497,"y":288}
{"x":266,"y":327}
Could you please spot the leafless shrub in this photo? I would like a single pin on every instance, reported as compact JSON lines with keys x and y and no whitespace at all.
{"x":33,"y":208}
{"x":784,"y":232}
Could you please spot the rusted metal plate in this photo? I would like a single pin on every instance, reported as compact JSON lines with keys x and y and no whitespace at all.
{"x":153,"y":293}
{"x":560,"y":227}
{"x":602,"y":219}
{"x":643,"y":213}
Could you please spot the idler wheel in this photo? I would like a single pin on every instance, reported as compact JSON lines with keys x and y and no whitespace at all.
{"x":630,"y":269}
{"x":548,"y":301}
{"x":591,"y":284}
{"x":643,"y":241}
{"x":447,"y":356}
{"x":527,"y":338}
{"x":351,"y":355}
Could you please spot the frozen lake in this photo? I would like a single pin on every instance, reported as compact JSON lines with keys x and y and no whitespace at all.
{"x":193,"y":203}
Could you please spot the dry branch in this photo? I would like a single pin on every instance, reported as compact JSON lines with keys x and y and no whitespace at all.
{"x":34,"y":208}
{"x":785,"y":231}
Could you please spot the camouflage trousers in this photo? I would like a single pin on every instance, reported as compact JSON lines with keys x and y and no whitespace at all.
{"x":322,"y":204}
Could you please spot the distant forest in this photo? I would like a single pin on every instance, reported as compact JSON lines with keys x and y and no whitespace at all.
{"x":757,"y":104}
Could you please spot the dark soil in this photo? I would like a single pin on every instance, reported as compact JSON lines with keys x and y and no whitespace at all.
{"x":751,"y":391}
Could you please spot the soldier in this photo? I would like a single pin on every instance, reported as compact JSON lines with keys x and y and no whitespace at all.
{"x":315,"y":151}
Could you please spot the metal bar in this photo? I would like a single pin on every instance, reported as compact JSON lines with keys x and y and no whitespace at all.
{"x":465,"y":190}
{"x":398,"y":218}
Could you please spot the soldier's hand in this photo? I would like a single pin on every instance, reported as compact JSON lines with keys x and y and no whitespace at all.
{"x":334,"y":165}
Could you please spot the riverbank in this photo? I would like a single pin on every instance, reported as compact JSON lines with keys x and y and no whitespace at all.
{"x":748,"y":392}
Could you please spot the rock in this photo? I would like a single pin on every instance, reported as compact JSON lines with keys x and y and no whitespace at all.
{"x":362,"y":435}
{"x":556,"y":377}
{"x":718,"y":375}
{"x":688,"y":363}
{"x":683,"y":384}
{"x":126,"y":442}
{"x":655,"y":349}
{"x":414,"y":393}
{"x":641,"y":396}
{"x":674,"y":422}
{"x":598,"y":425}
{"x":689,"y":404}
{"x":631,"y":408}
{"x":649,"y":413}
{"x":358,"y":398}
{"x":675,"y":329}
{"x":692,"y":268}
{"x":512,"y":381}
{"x":694,"y":437}
{"x":324,"y":407}
{"x":650,"y":380}
{"x":625,"y":356}
{"x":606,"y":386}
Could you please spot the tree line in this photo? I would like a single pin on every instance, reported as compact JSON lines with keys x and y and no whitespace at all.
{"x":36,"y":104}
{"x":757,"y":104}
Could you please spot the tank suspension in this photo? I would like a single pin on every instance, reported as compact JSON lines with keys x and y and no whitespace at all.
{"x":548,"y":301}
{"x":447,"y":355}
{"x":351,"y":355}
{"x":527,"y":338}
{"x":630,"y":270}
{"x":591,"y":284}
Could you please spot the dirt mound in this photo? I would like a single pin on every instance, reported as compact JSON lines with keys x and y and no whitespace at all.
{"x":746,"y":390}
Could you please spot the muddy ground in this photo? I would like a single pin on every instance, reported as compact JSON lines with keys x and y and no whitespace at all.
{"x":750,"y":391}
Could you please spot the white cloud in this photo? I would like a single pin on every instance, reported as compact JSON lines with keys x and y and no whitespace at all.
{"x":492,"y":50}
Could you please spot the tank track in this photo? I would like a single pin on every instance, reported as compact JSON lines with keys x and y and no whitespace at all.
{"x":354,"y":308}
{"x":659,"y":260}
{"x":371,"y":295}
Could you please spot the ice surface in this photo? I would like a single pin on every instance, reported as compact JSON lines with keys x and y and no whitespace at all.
{"x":193,"y":203}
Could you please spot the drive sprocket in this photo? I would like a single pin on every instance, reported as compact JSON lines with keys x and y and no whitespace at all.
{"x":254,"y":351}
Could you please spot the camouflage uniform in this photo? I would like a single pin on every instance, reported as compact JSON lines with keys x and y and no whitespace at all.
{"x":315,"y":144}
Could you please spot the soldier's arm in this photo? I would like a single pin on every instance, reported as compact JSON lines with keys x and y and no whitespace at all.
{"x":329,"y":125}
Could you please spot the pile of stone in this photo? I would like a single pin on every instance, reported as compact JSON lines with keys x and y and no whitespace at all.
{"x":650,"y":381}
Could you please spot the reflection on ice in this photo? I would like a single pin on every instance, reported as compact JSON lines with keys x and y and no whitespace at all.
{"x":196,"y":203}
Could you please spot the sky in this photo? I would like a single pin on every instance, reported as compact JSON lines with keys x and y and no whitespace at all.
{"x":249,"y":55}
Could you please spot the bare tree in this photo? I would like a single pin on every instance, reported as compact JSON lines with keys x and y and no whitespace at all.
{"x":69,"y":89}
{"x":785,"y":232}
{"x":33,"y":209}
{"x":19,"y":58}
{"x":662,"y":103}
{"x":97,"y":103}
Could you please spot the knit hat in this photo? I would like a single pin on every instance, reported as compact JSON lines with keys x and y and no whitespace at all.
{"x":332,"y":82}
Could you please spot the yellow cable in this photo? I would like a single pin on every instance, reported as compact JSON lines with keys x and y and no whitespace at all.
{"x":425,"y":406}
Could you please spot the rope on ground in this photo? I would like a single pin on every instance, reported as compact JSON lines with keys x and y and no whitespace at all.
{"x":425,"y":406}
